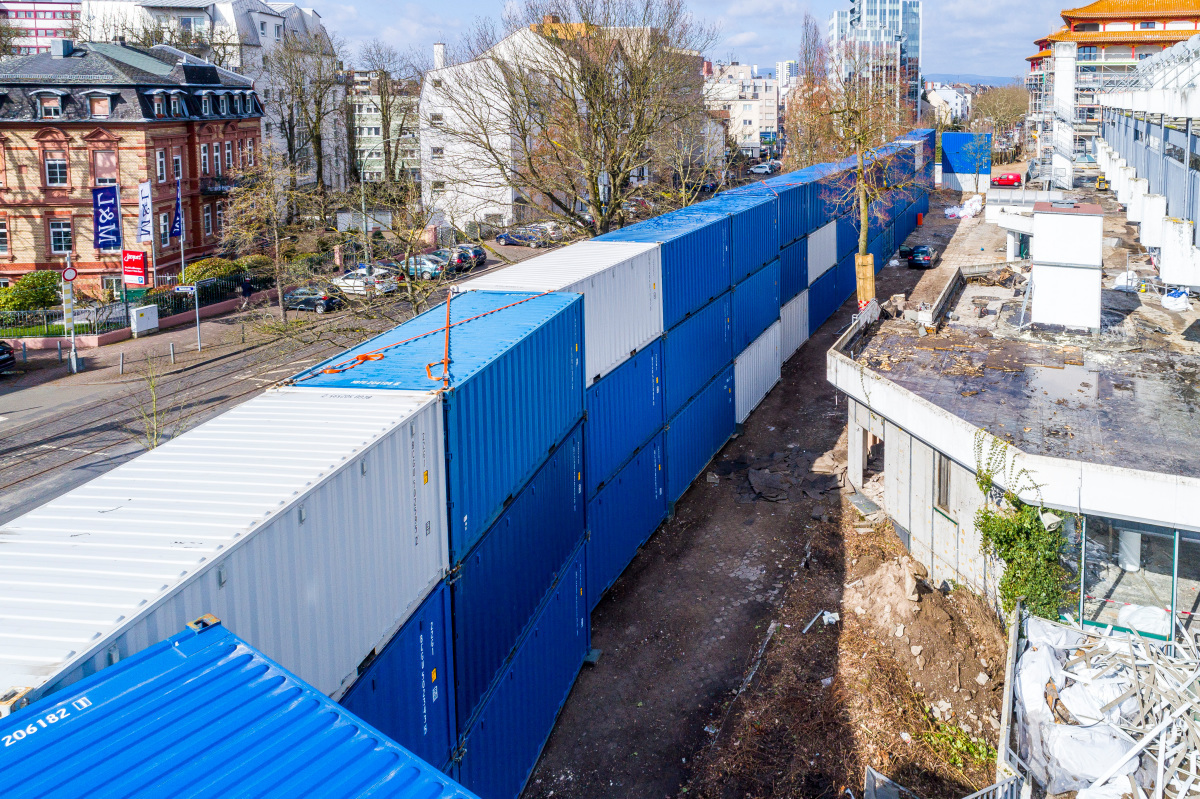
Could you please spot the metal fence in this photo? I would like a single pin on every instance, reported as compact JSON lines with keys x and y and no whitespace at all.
{"x":115,"y":316}
{"x":877,"y":786}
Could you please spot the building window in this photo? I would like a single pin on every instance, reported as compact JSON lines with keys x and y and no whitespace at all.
{"x":435,"y":119}
{"x":220,"y":217}
{"x":160,"y":159}
{"x":437,"y":186}
{"x":206,"y":105}
{"x":237,"y":104}
{"x":262,"y":28}
{"x":250,"y":151}
{"x":176,"y":106}
{"x":241,"y":153}
{"x":224,"y":105}
{"x":436,"y":152}
{"x":104,"y":165}
{"x":216,"y":158}
{"x":60,"y":236}
{"x":100,"y":107}
{"x":208,"y":220}
{"x":51,"y":107}
{"x":229,"y":155}
{"x":437,"y":83}
{"x":941,"y":478}
{"x":204,"y":159}
{"x":158,"y":106}
{"x":1146,"y":26}
{"x":1089,"y":54}
{"x":164,"y":231}
{"x":278,"y":32}
{"x":56,"y":168}
{"x":177,"y":166}
{"x":3,"y":235}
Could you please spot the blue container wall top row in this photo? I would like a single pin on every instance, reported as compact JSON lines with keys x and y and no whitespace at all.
{"x":696,"y":265}
{"x":204,"y":714}
{"x":755,"y":305}
{"x":698,"y":432}
{"x":516,"y":389}
{"x":624,"y":409}
{"x":623,"y":516}
{"x":793,"y":270}
{"x":502,"y":747}
{"x":754,"y":240}
{"x":499,"y":585}
{"x":823,"y":299}
{"x":967,"y":153}
{"x":695,"y":351}
{"x":407,"y":691}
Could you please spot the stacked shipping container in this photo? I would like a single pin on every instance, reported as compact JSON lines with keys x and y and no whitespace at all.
{"x":476,"y":492}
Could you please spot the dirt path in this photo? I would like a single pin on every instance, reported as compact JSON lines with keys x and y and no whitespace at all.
{"x":680,"y":629}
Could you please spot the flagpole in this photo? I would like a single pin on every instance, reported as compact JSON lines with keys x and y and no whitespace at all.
{"x":183,"y":258}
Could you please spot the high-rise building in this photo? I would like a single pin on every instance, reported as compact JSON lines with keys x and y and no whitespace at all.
{"x":38,"y":22}
{"x":893,"y":25}
{"x":752,"y":103}
{"x":786,"y":72}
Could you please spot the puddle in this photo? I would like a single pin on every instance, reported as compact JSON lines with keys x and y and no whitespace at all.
{"x":1071,"y":384}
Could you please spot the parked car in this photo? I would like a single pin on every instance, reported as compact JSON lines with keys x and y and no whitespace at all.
{"x":477,"y":253}
{"x":549,"y":230}
{"x":905,"y":252}
{"x":923,"y":256}
{"x":762,"y":169}
{"x":8,"y":356}
{"x":456,"y":259}
{"x":1007,"y":179}
{"x":522,"y":236}
{"x":366,"y":279}
{"x":425,"y":267}
{"x":311,"y":298}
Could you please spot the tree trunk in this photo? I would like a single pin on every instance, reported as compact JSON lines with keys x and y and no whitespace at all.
{"x":864,"y":263}
{"x":279,"y":280}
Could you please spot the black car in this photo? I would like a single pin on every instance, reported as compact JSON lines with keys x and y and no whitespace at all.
{"x":475,"y":251}
{"x":311,"y":299}
{"x":8,"y":356}
{"x":922,"y":256}
{"x":457,"y":260}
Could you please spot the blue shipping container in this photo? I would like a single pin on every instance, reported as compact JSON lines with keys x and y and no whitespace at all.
{"x":500,"y":750}
{"x":495,"y":592}
{"x":623,"y":516}
{"x":967,"y":153}
{"x":203,"y":714}
{"x":793,"y":270}
{"x":516,"y":390}
{"x":698,"y":432}
{"x":624,"y":408}
{"x":823,"y":299}
{"x":754,"y":231}
{"x":922,"y":203}
{"x":407,"y":691}
{"x":847,"y":281}
{"x":795,"y":191}
{"x":696,"y":265}
{"x":695,"y":351}
{"x":755,"y":305}
{"x":847,"y":234}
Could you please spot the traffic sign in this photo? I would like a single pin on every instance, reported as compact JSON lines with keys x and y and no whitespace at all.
{"x":185,"y":289}
{"x":69,"y":274}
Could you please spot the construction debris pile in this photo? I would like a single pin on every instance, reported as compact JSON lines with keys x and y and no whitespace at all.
{"x":1108,"y":715}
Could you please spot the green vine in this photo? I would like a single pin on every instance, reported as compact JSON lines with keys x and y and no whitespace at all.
{"x":957,"y":747}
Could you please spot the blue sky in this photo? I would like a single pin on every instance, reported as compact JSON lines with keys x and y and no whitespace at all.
{"x":984,"y":37}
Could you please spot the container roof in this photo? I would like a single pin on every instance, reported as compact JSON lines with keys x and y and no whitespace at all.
{"x":668,"y":227}
{"x":79,"y":568}
{"x":486,"y":324}
{"x":559,"y":269}
{"x":203,"y":714}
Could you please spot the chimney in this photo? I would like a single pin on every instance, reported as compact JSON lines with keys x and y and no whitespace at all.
{"x":61,"y":48}
{"x":551,"y":19}
{"x":439,"y":55}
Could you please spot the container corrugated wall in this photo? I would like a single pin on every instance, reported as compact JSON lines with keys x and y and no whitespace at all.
{"x":794,"y":200}
{"x":793,"y":270}
{"x":696,"y":265}
{"x":516,"y":390}
{"x":499,"y":585}
{"x":755,"y":305}
{"x":966,"y":153}
{"x":847,"y":234}
{"x":847,"y":281}
{"x":350,"y":502}
{"x":624,"y":409}
{"x":698,"y":431}
{"x":622,"y":288}
{"x":407,"y":691}
{"x":695,"y":351}
{"x":822,"y":300}
{"x":793,"y":318}
{"x":754,"y":231}
{"x":756,"y":371}
{"x":623,"y":515}
{"x":822,"y":251}
{"x":502,"y":747}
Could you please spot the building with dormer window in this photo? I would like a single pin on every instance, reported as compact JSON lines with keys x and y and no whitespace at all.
{"x":88,"y":115}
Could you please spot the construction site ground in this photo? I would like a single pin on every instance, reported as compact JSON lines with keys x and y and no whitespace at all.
{"x":707,"y":683}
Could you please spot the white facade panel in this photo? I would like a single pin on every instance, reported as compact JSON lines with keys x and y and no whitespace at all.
{"x":312,"y":522}
{"x":1066,"y":295}
{"x":793,"y":317}
{"x":621,"y":284}
{"x":756,"y":371}
{"x":822,"y":251}
{"x":1066,"y":238}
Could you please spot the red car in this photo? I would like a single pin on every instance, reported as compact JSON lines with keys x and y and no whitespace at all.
{"x":1007,"y":179}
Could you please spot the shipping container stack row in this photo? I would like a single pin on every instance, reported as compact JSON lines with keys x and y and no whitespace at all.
{"x":420,"y":527}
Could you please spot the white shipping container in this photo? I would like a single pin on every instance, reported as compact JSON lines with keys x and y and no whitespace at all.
{"x":822,"y":251}
{"x":756,"y":371}
{"x":793,"y":318}
{"x":312,"y":522}
{"x":621,"y":283}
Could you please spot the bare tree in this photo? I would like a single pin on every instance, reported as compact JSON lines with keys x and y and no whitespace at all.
{"x":811,"y":135}
{"x":9,"y":33}
{"x":564,"y":106}
{"x":395,"y":88}
{"x":999,"y":109}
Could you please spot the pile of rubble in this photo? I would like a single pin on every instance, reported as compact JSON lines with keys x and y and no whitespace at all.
{"x":1108,"y":715}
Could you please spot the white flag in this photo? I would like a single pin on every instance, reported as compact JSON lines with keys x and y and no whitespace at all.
{"x":145,"y":228}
